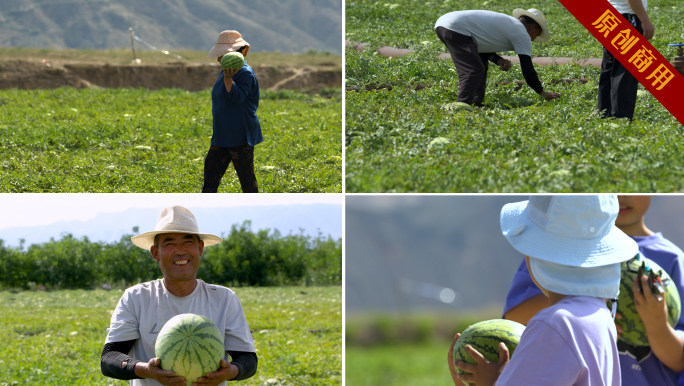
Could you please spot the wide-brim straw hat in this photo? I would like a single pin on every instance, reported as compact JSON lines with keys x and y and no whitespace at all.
{"x":537,"y":16}
{"x":571,"y":230}
{"x":228,"y":41}
{"x":174,"y":219}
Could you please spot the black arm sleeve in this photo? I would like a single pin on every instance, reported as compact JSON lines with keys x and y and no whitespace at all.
{"x":494,"y":58}
{"x":246,"y":363}
{"x":529,"y":73}
{"x":113,"y":354}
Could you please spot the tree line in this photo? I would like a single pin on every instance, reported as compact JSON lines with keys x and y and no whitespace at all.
{"x":244,"y":258}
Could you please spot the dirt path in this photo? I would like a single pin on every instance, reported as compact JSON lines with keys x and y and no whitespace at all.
{"x":30,"y":75}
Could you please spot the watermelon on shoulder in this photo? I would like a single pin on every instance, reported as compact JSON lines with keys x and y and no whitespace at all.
{"x":232,"y":60}
{"x":485,"y":338}
{"x":191,"y":345}
{"x":634,"y":332}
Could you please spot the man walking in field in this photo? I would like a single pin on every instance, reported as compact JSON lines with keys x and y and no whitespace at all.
{"x":617,"y":90}
{"x":474,"y":37}
{"x":177,"y":245}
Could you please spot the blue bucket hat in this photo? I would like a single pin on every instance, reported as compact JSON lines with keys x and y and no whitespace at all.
{"x":572,"y":241}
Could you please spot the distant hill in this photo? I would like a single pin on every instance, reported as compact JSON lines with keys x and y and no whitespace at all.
{"x":109,"y":227}
{"x":288,"y":26}
{"x":444,"y":241}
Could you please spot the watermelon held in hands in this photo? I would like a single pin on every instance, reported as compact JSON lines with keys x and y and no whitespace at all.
{"x":485,"y":338}
{"x":634,"y":332}
{"x":191,"y":345}
{"x":232,"y":61}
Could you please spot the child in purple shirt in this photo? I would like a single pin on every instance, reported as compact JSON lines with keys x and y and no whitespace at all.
{"x":639,"y":366}
{"x":573,"y":251}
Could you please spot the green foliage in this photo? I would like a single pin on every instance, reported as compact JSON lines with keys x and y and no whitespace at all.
{"x":405,"y":141}
{"x":135,"y":140}
{"x":244,"y":257}
{"x":59,"y":335}
{"x":398,"y":365}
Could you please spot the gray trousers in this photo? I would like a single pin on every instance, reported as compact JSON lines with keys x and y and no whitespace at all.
{"x":471,"y":66}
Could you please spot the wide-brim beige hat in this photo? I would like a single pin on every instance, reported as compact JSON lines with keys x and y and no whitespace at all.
{"x":537,"y":16}
{"x":228,"y":41}
{"x":174,"y":219}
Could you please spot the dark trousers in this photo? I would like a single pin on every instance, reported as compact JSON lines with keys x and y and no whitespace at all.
{"x":471,"y":66}
{"x":617,"y":89}
{"x":217,"y":161}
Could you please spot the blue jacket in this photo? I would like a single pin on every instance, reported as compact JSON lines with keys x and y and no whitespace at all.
{"x":234,"y":112}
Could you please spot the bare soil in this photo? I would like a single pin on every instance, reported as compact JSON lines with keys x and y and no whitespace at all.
{"x":32,"y":74}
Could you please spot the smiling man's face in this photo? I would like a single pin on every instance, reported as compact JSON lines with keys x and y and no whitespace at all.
{"x":178,"y":255}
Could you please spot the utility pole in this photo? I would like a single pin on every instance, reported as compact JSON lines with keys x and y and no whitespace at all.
{"x":130,"y":29}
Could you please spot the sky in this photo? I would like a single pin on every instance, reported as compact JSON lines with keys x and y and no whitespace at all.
{"x":27,"y":209}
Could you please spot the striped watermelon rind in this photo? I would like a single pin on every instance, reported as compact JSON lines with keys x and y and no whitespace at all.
{"x":233,"y":60}
{"x":191,"y":345}
{"x":634,"y":332}
{"x":485,"y":338}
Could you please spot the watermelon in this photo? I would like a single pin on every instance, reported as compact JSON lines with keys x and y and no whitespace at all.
{"x":634,"y":332}
{"x":191,"y":345}
{"x":232,"y":61}
{"x":458,"y":106}
{"x":485,"y":338}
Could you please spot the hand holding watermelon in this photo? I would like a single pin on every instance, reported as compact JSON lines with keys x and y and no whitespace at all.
{"x":484,"y":373}
{"x":225,"y":373}
{"x":651,"y":309}
{"x":152,"y":370}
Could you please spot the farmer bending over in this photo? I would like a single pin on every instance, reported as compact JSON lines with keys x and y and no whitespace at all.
{"x":177,"y":245}
{"x":474,"y":37}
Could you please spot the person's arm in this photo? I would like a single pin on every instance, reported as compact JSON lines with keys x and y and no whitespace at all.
{"x":532,"y":79}
{"x":667,"y":346}
{"x":113,"y":358}
{"x":639,"y":10}
{"x":246,"y":363}
{"x":523,"y":312}
{"x":228,"y":78}
{"x":241,"y":83}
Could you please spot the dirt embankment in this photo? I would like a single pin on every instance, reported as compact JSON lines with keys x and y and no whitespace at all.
{"x":192,"y":77}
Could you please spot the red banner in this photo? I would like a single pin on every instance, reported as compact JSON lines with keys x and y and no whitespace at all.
{"x":619,"y":37}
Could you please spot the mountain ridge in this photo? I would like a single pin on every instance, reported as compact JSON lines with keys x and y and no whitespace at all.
{"x":287,"y":26}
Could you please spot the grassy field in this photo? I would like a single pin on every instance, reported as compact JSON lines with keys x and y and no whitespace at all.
{"x":123,"y":55}
{"x":135,"y":140}
{"x":405,"y":141}
{"x":398,"y":365}
{"x":56,"y":338}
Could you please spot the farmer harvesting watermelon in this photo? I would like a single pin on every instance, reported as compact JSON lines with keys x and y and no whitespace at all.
{"x":234,"y":103}
{"x":662,"y":362}
{"x":474,"y":37}
{"x":574,"y":252}
{"x":177,"y":245}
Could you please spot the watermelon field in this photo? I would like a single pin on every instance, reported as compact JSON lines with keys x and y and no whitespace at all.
{"x":402,"y":140}
{"x":136,"y":140}
{"x":56,"y":337}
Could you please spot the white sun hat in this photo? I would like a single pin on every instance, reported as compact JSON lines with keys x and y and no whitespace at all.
{"x":537,"y":16}
{"x":572,"y":230}
{"x":228,"y":41}
{"x":174,"y":219}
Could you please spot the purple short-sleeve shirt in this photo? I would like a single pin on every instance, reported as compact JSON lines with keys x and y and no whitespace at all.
{"x":572,"y":342}
{"x":646,"y":371}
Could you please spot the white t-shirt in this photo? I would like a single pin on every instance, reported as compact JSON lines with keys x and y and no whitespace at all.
{"x":145,"y":308}
{"x":573,"y":342}
{"x":623,"y":7}
{"x":492,"y":31}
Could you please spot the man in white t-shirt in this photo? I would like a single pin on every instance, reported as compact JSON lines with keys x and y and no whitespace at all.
{"x":474,"y":37}
{"x":617,"y":90}
{"x":177,"y":245}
